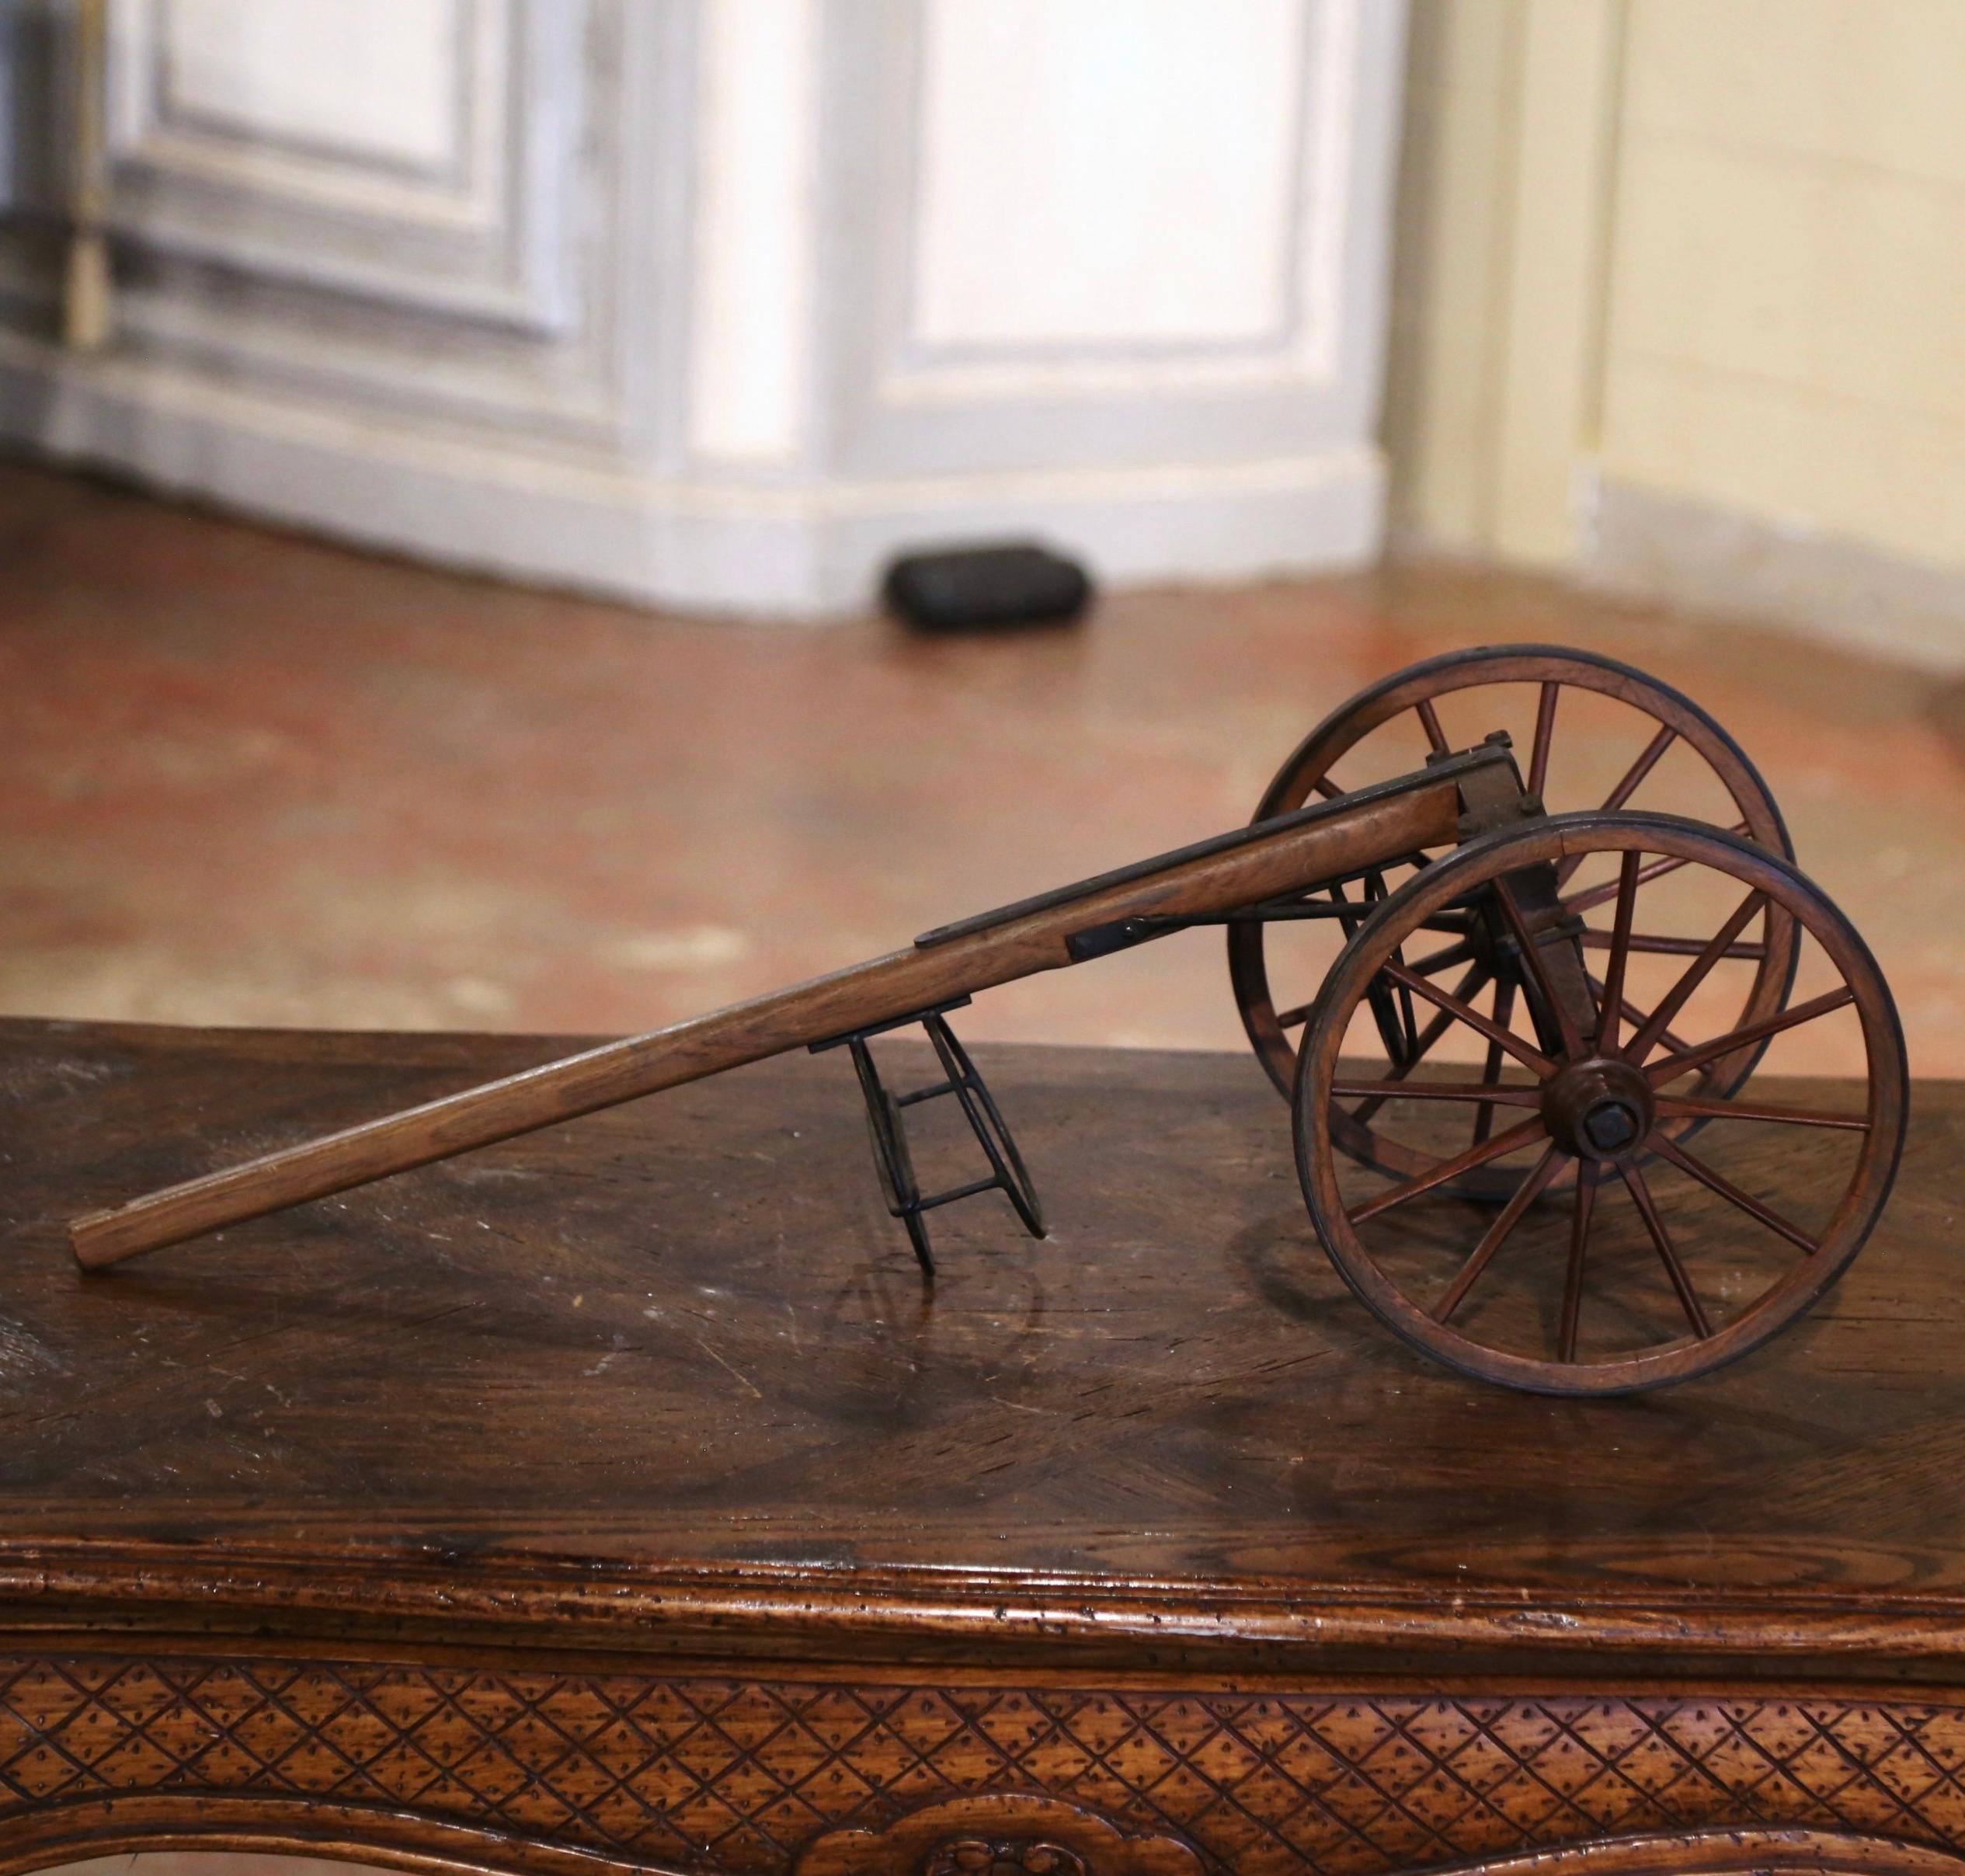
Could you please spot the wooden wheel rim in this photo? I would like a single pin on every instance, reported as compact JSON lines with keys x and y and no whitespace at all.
{"x":1791,"y":1295}
{"x":1402,"y":692}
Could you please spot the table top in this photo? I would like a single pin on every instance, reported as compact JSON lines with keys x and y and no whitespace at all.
{"x":667,"y":1377}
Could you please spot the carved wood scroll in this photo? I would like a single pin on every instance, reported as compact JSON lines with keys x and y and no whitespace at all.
{"x":1010,"y":1834}
{"x":813,"y":1777}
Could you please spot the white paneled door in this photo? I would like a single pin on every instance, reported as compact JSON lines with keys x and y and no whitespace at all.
{"x":717,"y":303}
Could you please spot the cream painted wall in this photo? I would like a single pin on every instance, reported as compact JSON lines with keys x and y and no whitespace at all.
{"x":1789,"y":264}
{"x":1499,"y":278}
{"x":1676,"y":301}
{"x":1450,"y":249}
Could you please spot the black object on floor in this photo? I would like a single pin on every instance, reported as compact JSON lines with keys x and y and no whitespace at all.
{"x":976,"y":588}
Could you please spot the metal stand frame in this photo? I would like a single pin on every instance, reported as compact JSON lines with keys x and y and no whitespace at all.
{"x":888,"y":1129}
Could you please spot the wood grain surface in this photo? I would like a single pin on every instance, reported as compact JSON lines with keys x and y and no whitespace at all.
{"x":666,"y":1379}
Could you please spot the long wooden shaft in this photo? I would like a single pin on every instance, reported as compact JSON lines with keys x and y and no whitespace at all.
{"x":1344,"y":837}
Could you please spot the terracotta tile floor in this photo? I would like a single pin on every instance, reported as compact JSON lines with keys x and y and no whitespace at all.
{"x":244,"y":778}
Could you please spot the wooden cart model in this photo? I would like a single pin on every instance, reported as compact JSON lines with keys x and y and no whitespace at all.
{"x":1476,"y":1075}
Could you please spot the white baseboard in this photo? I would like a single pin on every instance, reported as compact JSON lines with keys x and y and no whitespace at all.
{"x":799,"y":550}
{"x":1653,"y":545}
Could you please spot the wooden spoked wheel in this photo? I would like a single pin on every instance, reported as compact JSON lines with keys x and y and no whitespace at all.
{"x":1588,"y":731}
{"x":1650,"y":1263}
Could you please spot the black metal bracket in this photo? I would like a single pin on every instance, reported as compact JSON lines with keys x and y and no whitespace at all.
{"x":1122,"y":934}
{"x":887,"y":1126}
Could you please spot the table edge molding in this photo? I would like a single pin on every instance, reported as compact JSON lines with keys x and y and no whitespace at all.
{"x":817,"y":1610}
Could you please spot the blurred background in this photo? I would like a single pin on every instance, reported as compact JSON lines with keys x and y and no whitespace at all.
{"x":452,"y":447}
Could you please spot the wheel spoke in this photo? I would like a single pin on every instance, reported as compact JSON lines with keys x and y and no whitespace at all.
{"x":1517,"y":1136}
{"x":1457,"y":1006}
{"x":1593,"y":940}
{"x":1289,"y":1019}
{"x":1646,"y":761}
{"x":1632,"y":1013}
{"x":1469,"y":986}
{"x":1610,"y":1004}
{"x":1579,"y":1240}
{"x":1672,"y":1066}
{"x":1430,"y":719}
{"x":1531,"y":956}
{"x":1674,"y":1106}
{"x":1489,"y":1093}
{"x":1716,"y":1182}
{"x":1646,"y":1039}
{"x":1348,"y":917}
{"x":1461,"y":953}
{"x":1687,"y":1298}
{"x":1544,"y":730}
{"x":1326,"y":788}
{"x":1491,"y":1070}
{"x":1589,"y":900}
{"x":1498,"y":1234}
{"x":1409,"y":1025}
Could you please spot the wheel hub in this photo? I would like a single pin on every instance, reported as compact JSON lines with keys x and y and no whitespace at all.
{"x":1597,"y":1109}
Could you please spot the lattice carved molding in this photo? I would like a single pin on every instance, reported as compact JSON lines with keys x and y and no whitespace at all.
{"x":746,"y":1775}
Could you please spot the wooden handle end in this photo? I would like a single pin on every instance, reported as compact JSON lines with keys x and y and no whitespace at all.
{"x":99,"y":1239}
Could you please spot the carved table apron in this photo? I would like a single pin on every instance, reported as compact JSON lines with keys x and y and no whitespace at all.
{"x":618,"y":1498}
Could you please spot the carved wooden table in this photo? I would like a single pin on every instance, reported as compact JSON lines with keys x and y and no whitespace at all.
{"x":617,"y":1499}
